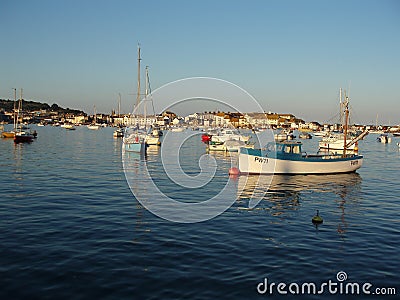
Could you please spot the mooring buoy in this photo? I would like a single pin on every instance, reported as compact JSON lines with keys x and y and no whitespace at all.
{"x":317,"y":219}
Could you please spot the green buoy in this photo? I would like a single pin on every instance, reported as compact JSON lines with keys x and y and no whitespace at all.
{"x":317,"y":219}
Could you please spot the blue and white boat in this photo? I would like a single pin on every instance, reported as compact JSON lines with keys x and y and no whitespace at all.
{"x":287,"y":158}
{"x":134,"y":140}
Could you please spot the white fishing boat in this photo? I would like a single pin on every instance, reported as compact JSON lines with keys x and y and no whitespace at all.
{"x":287,"y":158}
{"x":340,"y":140}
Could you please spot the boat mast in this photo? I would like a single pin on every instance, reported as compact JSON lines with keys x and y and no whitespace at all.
{"x":15,"y":101}
{"x":138,"y":79}
{"x":119,"y":105}
{"x":346,"y":120}
{"x":340,"y":107}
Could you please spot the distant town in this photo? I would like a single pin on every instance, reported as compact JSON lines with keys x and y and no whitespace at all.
{"x":43,"y":113}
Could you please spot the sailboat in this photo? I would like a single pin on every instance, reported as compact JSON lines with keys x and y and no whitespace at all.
{"x":22,"y":136}
{"x":287,"y":158}
{"x":11,"y":133}
{"x":94,"y":125}
{"x":135,"y":138}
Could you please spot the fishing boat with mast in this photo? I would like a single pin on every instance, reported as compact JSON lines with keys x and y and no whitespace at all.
{"x":287,"y":157}
{"x":335,"y":140}
{"x":134,"y":137}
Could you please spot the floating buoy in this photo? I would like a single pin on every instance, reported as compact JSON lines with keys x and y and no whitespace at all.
{"x":234,"y":171}
{"x":317,"y":219}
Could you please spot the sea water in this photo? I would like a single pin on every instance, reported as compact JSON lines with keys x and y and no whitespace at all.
{"x":72,"y":229}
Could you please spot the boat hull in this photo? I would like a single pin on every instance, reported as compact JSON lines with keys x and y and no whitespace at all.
{"x":135,"y":147}
{"x":335,"y":145}
{"x":253,"y":164}
{"x":8,"y":135}
{"x":25,"y":138}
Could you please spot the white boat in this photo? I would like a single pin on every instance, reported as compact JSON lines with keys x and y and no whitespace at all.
{"x":229,"y":134}
{"x":334,"y":141}
{"x":384,"y":138}
{"x":69,"y":127}
{"x":287,"y":158}
{"x":284,"y":136}
{"x":320,"y":133}
{"x":94,"y":126}
{"x":118,"y":133}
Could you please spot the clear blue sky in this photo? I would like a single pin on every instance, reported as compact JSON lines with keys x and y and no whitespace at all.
{"x":292,"y":56}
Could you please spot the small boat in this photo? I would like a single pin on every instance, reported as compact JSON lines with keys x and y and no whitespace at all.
{"x":118,"y":133}
{"x":284,"y":135}
{"x":384,"y":138}
{"x":305,"y":135}
{"x":23,"y":137}
{"x":134,"y":140}
{"x":320,"y":133}
{"x":69,"y":127}
{"x":94,"y":125}
{"x":8,"y":134}
{"x":288,"y":158}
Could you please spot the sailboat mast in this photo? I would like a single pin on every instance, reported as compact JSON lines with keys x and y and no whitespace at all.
{"x":346,"y":105}
{"x":340,"y":107}
{"x":119,"y":105}
{"x":15,"y":101}
{"x":138,"y":79}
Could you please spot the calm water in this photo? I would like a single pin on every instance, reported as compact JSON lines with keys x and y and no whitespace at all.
{"x":71,"y":228}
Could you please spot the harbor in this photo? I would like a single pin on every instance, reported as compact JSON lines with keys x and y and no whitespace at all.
{"x":199,"y":150}
{"x":70,"y":224}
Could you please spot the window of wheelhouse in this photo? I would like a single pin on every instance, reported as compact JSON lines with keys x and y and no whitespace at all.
{"x":296,"y":149}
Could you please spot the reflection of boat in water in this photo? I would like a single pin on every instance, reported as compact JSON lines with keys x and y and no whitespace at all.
{"x":256,"y":185}
{"x":282,"y":194}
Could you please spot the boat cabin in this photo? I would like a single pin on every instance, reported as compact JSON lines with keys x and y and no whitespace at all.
{"x":286,"y":149}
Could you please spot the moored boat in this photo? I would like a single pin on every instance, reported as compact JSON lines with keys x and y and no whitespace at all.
{"x":288,"y":158}
{"x":23,"y":137}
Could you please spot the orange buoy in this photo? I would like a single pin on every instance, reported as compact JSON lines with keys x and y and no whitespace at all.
{"x":234,"y":171}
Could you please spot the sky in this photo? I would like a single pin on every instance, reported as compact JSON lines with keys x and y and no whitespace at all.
{"x":291,"y":56}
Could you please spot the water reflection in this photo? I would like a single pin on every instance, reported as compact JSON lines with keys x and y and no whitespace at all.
{"x":281,"y":194}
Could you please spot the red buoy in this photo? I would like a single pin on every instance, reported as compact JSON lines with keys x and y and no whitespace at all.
{"x":234,"y":171}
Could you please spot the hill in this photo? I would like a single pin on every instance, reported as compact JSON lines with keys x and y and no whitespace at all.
{"x":8,"y":105}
